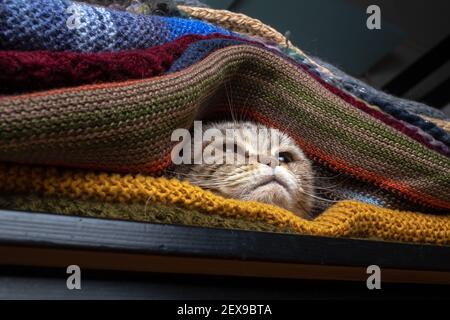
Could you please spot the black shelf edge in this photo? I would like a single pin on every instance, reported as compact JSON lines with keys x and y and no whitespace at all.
{"x":79,"y":233}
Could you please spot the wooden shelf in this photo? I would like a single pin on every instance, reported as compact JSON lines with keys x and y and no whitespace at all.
{"x":48,"y":240}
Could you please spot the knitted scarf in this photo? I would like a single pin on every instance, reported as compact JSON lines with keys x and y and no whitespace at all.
{"x":126,"y":126}
{"x":401,"y":109}
{"x":65,"y":25}
{"x":37,"y":25}
{"x":26,"y":71}
{"x":405,"y":110}
{"x":41,"y":69}
{"x":137,"y":197}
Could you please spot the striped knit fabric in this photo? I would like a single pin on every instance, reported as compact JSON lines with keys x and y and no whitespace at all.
{"x":37,"y":70}
{"x":126,"y":127}
{"x":25,"y":25}
{"x":52,"y":25}
{"x":59,"y":69}
{"x":168,"y":72}
{"x":345,"y":219}
{"x":401,"y":109}
{"x":335,"y":186}
{"x":404,"y":110}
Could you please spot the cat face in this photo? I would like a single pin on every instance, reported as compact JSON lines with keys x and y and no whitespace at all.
{"x":277,"y":174}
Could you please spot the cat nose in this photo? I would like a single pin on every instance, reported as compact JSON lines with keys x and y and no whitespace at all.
{"x":269,"y":161}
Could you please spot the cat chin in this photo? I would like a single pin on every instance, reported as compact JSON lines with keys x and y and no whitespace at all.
{"x":271,"y":193}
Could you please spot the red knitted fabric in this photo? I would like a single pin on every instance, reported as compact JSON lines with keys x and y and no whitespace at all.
{"x":38,"y":70}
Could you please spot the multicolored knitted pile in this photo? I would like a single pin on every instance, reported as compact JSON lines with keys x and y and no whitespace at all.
{"x":112,"y":195}
{"x":402,"y":109}
{"x":114,"y":113}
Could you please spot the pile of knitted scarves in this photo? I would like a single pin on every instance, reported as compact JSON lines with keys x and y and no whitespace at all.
{"x":88,"y":104}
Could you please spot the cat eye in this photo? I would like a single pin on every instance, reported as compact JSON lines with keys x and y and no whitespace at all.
{"x":285,"y":157}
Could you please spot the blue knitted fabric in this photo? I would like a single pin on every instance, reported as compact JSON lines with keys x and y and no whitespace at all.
{"x":44,"y":25}
{"x":199,"y":50}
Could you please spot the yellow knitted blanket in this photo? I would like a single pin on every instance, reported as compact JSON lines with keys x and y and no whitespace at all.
{"x":345,"y":219}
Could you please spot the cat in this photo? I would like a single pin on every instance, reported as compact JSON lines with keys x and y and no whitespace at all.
{"x":292,"y":182}
{"x":285,"y":180}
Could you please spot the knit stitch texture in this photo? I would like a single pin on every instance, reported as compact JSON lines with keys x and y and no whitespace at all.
{"x":25,"y":25}
{"x":391,"y":156}
{"x":409,"y":111}
{"x":126,"y":127}
{"x":50,"y":25}
{"x":402,"y":109}
{"x":134,"y":211}
{"x":345,"y":219}
{"x":91,"y":66}
{"x":25,"y":71}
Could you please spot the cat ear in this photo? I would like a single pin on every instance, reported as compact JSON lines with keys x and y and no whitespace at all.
{"x":164,"y":8}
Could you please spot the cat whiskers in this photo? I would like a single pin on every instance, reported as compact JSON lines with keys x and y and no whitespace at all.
{"x":231,"y":181}
{"x":230,"y":102}
{"x":245,"y":109}
{"x":241,"y":115}
{"x":317,"y":197}
{"x":191,"y":174}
